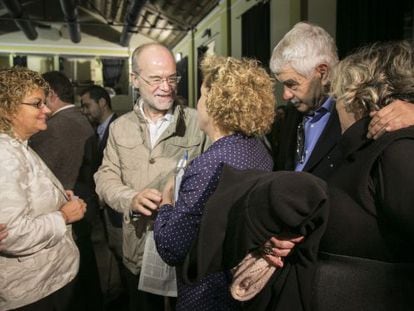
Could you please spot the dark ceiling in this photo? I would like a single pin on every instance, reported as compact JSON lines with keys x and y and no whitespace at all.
{"x":166,"y":21}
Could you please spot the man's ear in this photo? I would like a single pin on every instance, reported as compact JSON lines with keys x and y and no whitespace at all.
{"x":102,"y":103}
{"x":135,"y":81}
{"x":323,"y":71}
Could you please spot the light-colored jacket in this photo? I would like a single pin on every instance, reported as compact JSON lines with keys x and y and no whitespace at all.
{"x":130,"y":165}
{"x":40,"y":255}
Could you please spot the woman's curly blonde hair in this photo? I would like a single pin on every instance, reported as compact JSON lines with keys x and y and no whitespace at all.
{"x":15,"y":84}
{"x":374,"y":76}
{"x":240,"y":95}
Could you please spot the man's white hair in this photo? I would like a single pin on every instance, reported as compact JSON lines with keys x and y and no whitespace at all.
{"x":303,"y":48}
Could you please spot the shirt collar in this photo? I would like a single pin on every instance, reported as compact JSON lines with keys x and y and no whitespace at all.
{"x":102,"y":127}
{"x":167,"y":117}
{"x":63,"y":108}
{"x":327,"y":106}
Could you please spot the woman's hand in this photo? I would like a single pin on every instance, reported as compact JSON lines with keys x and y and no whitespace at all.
{"x":70,"y":195}
{"x":3,"y":235}
{"x":168,"y":192}
{"x":73,"y":211}
{"x":278,"y":248}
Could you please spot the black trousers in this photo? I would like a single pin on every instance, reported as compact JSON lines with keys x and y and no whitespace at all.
{"x":57,"y":301}
{"x":143,"y":301}
{"x":88,"y":294}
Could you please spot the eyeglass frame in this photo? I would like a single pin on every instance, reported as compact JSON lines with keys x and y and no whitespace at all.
{"x":157,"y":84}
{"x":39,"y":105}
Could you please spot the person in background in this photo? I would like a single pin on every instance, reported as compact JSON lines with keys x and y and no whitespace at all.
{"x":61,"y":146}
{"x":39,"y":259}
{"x":143,"y":149}
{"x":96,"y":106}
{"x":236,"y":106}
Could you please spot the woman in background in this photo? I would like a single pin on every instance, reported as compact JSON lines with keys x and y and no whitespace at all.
{"x":39,"y":258}
{"x":236,"y":105}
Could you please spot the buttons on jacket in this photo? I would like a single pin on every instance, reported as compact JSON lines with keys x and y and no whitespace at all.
{"x":152,"y":161}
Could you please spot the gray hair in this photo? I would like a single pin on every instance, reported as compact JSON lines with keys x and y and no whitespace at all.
{"x":374,"y":76}
{"x":304,"y":47}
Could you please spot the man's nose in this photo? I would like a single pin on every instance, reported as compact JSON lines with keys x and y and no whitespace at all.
{"x":287,"y":94}
{"x":165,"y":86}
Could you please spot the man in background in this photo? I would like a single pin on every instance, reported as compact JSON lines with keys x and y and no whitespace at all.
{"x":96,"y":106}
{"x":61,"y":147}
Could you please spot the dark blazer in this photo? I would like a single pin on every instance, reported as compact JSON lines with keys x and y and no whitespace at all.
{"x":61,"y":145}
{"x":102,"y":143}
{"x":92,"y":159}
{"x":325,"y":156}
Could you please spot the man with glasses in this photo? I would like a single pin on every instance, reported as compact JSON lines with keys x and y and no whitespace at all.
{"x":143,"y":150}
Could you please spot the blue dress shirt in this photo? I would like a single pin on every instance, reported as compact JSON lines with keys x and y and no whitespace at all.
{"x":176,"y":227}
{"x":314,"y":124}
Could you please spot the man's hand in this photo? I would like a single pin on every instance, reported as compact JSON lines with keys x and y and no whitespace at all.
{"x":281,"y":247}
{"x":397,"y":115}
{"x":3,"y":235}
{"x":146,"y":202}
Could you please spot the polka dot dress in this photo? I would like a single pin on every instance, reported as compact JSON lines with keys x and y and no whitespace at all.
{"x":176,"y":227}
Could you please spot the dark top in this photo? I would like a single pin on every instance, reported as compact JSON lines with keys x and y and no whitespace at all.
{"x":176,"y":227}
{"x":61,"y":145}
{"x":368,"y":246}
{"x":85,"y":184}
{"x":324,"y":158}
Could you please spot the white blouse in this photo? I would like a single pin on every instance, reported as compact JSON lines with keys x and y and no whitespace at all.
{"x":40,"y":255}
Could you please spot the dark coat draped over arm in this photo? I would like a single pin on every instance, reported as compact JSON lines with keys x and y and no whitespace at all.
{"x":246,"y":210}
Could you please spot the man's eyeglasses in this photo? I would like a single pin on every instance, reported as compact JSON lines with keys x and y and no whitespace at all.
{"x":157,"y":81}
{"x":38,"y":105}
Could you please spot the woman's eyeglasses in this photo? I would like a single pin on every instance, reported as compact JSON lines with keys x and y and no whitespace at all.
{"x":38,"y":105}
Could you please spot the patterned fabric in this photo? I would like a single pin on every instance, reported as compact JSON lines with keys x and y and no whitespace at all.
{"x":176,"y":227}
{"x":40,"y":255}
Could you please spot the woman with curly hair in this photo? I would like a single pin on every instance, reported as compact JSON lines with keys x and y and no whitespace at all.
{"x":38,"y":257}
{"x":236,"y":106}
{"x":366,"y":258}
